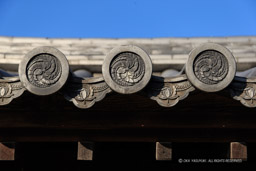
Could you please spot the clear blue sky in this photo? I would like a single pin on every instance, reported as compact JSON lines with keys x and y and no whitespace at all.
{"x":127,"y":18}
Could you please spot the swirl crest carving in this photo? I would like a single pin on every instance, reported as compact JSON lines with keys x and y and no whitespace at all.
{"x":210,"y":67}
{"x":127,"y":69}
{"x":43,"y":70}
{"x":10,"y":90}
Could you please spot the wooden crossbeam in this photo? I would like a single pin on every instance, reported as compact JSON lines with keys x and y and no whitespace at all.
{"x":163,"y":151}
{"x":238,"y":150}
{"x":85,"y":151}
{"x":7,"y":151}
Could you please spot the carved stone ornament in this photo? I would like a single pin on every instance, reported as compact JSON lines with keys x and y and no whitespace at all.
{"x":127,"y":69}
{"x":210,"y":67}
{"x":44,"y":70}
{"x":244,"y":90}
{"x":10,"y":88}
{"x":169,"y":91}
{"x":85,"y":92}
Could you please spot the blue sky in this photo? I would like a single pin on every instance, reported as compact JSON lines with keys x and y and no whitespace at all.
{"x":127,"y":18}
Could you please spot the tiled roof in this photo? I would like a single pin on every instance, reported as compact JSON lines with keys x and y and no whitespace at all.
{"x":89,"y":53}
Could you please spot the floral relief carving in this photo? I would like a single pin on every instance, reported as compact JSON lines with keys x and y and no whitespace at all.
{"x":10,"y":89}
{"x":244,"y":91}
{"x":84,"y":95}
{"x":169,"y":93}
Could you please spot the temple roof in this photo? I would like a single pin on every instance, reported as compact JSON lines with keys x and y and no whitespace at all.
{"x":89,"y":54}
{"x":128,"y":69}
{"x":209,"y":98}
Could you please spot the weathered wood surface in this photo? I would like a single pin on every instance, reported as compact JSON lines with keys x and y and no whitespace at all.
{"x":238,"y":150}
{"x":85,"y":150}
{"x":200,"y":117}
{"x":163,"y":151}
{"x":7,"y":151}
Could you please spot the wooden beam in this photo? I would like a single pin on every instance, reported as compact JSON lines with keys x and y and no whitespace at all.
{"x":85,"y":151}
{"x":163,"y":151}
{"x":127,"y":118}
{"x":238,"y":150}
{"x":7,"y":151}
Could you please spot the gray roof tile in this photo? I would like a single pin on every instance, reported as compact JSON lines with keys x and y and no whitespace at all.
{"x":91,"y":52}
